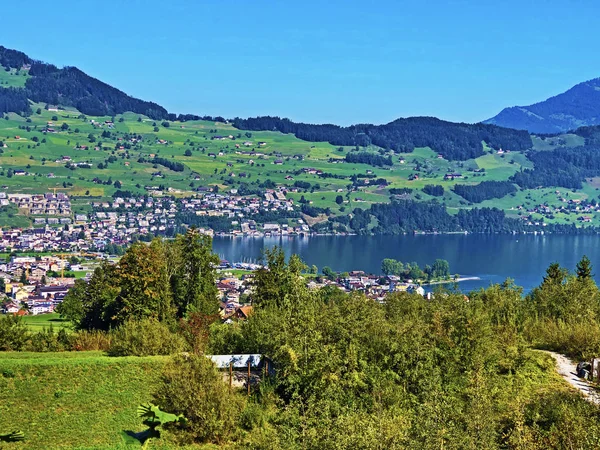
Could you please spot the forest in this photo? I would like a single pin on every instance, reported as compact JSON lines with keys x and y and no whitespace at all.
{"x":455,"y":141}
{"x":369,"y":158}
{"x":407,"y":216}
{"x":435,"y":190}
{"x":439,"y":270}
{"x":485,"y":190}
{"x":564,"y":167}
{"x":459,"y":371}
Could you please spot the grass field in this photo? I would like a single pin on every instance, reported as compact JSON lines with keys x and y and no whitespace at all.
{"x":74,"y":400}
{"x":41,"y":321}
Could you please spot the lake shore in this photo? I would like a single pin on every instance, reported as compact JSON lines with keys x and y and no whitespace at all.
{"x":457,"y":280}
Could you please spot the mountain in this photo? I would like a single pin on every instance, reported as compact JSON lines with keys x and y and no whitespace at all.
{"x":68,"y":86}
{"x":577,"y":107}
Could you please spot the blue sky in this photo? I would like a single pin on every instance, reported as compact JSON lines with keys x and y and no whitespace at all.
{"x":319,"y":61}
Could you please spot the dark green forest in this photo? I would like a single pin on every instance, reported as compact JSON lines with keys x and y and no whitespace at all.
{"x":485,"y":190}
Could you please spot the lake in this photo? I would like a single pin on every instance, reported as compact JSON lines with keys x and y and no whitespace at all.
{"x":493,"y":258}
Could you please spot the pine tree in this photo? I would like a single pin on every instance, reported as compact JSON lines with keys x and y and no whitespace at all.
{"x":584,"y":269}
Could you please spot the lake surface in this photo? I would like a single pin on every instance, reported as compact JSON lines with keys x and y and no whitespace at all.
{"x":493,"y":258}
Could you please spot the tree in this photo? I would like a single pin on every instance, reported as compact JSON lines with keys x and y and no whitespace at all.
{"x":584,"y":269}
{"x":555,"y":274}
{"x":329,"y":273}
{"x":23,"y":277}
{"x":193,"y":273}
{"x":276,"y":279}
{"x":339,"y":199}
{"x":188,"y":152}
{"x":144,"y":287}
{"x":117,"y":184}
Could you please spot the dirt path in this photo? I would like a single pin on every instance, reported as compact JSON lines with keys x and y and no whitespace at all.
{"x":566,"y":369}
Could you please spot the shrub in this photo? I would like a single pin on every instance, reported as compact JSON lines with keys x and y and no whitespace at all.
{"x":90,"y":340}
{"x":144,"y":338}
{"x":193,"y":387}
{"x":48,"y":341}
{"x":13,"y":333}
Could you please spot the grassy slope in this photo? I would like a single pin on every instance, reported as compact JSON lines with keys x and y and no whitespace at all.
{"x":200,"y":168}
{"x":74,"y":400}
{"x":84,"y":400}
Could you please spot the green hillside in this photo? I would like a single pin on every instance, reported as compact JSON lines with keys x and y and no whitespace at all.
{"x":51,"y":159}
{"x":74,"y":400}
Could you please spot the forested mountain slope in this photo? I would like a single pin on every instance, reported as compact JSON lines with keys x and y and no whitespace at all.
{"x":577,"y":107}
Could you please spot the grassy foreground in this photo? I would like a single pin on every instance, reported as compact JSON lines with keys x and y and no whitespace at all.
{"x":85,"y":399}
{"x":74,"y":399}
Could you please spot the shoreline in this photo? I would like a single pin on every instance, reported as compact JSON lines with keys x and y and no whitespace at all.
{"x":458,"y":280}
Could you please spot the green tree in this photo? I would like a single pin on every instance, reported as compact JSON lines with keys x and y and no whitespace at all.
{"x":192,"y":271}
{"x":584,"y":269}
{"x":144,"y":288}
{"x":276,"y":279}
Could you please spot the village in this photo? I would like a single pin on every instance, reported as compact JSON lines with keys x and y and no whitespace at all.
{"x":38,"y":284}
{"x":121,"y":221}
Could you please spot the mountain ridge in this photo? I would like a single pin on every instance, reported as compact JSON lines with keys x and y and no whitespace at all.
{"x":577,"y":107}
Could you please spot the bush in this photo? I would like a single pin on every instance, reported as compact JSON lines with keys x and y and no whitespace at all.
{"x":144,"y":338}
{"x":90,"y":340}
{"x":13,"y":333}
{"x":193,"y":387}
{"x":48,"y":341}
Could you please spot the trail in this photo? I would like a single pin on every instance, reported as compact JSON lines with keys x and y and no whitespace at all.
{"x":567,"y":369}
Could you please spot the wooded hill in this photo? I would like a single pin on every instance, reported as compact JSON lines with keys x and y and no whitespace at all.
{"x":578,"y":106}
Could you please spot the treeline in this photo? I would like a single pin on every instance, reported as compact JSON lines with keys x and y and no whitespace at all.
{"x":164,"y":281}
{"x":455,"y":141}
{"x":14,"y":100}
{"x":169,"y":164}
{"x":369,"y":158}
{"x":484,"y":190}
{"x":564,"y":167}
{"x":13,"y":59}
{"x":434,"y":189}
{"x":72,"y":87}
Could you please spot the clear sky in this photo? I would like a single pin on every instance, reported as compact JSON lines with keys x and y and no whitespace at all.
{"x":319,"y":61}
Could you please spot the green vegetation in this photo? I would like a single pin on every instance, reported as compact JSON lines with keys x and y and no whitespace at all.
{"x":74,"y":400}
{"x":451,"y":372}
{"x":439,"y":270}
{"x":41,"y":321}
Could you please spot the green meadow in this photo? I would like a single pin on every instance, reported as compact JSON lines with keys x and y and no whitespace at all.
{"x":75,"y":399}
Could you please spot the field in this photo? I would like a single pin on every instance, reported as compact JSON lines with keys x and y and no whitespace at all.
{"x":74,"y":400}
{"x":90,"y":159}
{"x":41,"y":321}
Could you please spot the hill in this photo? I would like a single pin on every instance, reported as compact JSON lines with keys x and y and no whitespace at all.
{"x":577,"y":107}
{"x":84,"y":401}
{"x":331,"y":173}
{"x":67,"y":87}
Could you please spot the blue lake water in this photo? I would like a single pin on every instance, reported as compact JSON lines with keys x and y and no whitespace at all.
{"x":493,"y":258}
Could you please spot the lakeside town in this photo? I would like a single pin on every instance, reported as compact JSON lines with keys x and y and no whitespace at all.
{"x":38,"y":284}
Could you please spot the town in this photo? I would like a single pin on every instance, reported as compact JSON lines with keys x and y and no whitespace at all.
{"x":38,"y":284}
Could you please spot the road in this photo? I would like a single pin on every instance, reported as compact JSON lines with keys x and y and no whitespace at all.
{"x":567,"y":369}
